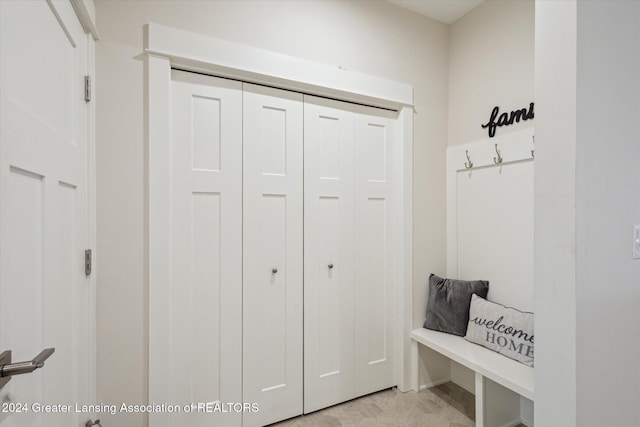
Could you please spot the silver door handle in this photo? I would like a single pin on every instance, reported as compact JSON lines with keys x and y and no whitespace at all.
{"x":10,"y":369}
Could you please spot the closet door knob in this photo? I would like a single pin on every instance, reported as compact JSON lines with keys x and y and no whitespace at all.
{"x":274,"y":270}
{"x":330,"y":266}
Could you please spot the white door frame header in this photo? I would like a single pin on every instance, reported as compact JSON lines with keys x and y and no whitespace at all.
{"x":197,"y":52}
{"x":166,"y":48}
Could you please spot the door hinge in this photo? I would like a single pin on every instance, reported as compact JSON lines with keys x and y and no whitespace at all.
{"x":87,"y":88}
{"x":87,"y":262}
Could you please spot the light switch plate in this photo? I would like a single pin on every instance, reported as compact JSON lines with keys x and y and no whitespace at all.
{"x":636,"y":242}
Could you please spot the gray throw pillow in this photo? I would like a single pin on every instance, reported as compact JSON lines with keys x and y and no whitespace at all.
{"x":448,"y":304}
{"x":502,"y":329}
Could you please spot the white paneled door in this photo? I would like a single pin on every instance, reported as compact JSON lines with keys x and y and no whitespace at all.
{"x":376,"y":144}
{"x":44,"y":293}
{"x":205,"y":333}
{"x":349,"y":343}
{"x":272,"y":254}
{"x":329,"y":257}
{"x":281,"y":248}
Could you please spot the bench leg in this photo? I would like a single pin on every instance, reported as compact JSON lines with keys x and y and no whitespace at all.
{"x":479,"y":400}
{"x":414,"y":367}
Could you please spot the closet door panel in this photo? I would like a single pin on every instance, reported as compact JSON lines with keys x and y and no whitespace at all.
{"x":272,"y":254}
{"x":329,"y":327}
{"x":206,"y":253}
{"x":375,"y":137}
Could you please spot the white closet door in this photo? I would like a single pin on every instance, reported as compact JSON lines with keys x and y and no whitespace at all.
{"x":328,"y":244}
{"x":272,"y":254}
{"x":375,"y":143}
{"x":206,"y":253}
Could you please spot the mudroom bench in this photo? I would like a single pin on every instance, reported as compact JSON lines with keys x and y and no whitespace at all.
{"x":486,"y":364}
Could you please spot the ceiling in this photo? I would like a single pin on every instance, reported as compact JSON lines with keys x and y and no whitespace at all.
{"x":446,"y":11}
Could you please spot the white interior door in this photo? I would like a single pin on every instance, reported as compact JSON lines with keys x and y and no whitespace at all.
{"x":44,"y":293}
{"x":272,"y":254}
{"x":349,"y":251}
{"x":328,"y":250}
{"x":204,"y":341}
{"x":376,"y":144}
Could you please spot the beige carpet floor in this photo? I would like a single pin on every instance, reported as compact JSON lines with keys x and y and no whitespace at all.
{"x":447,"y":405}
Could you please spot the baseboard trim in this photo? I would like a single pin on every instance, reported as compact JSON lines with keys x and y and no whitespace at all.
{"x":433,"y":384}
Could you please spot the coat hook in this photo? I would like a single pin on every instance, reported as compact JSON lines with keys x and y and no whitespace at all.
{"x":499,"y":158}
{"x":470,"y":164}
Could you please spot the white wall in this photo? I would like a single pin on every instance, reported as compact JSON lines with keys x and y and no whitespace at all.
{"x":121,"y":296}
{"x":372,"y":37}
{"x":490,"y":63}
{"x":587,"y":198}
{"x":491,"y":52}
{"x":607,"y":204}
{"x":554,"y":217}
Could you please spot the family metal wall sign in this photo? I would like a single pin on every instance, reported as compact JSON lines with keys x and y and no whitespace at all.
{"x":505,"y":119}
